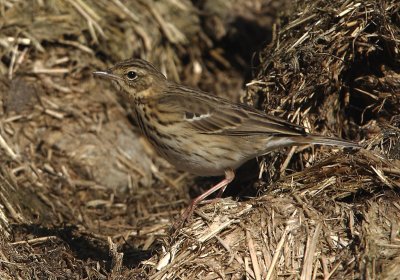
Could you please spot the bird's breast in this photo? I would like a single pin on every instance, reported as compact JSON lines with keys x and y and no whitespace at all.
{"x":160,"y":135}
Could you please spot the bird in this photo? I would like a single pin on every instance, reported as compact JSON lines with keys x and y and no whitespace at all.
{"x":201,"y":133}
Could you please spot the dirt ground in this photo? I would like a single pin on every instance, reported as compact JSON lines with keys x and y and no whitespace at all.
{"x":84,"y":196}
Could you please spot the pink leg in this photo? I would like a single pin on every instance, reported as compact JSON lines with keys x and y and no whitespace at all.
{"x":221,"y":186}
{"x":221,"y":190}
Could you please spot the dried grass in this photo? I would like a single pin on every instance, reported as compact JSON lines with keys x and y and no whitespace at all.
{"x":328,"y":69}
{"x":84,"y":196}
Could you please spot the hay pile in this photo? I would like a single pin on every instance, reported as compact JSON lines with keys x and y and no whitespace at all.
{"x":334,"y":68}
{"x":84,"y":196}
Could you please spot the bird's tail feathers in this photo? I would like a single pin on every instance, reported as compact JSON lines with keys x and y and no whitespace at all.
{"x":325,"y":140}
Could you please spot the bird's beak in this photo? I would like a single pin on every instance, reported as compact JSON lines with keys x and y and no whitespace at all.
{"x":107,"y":75}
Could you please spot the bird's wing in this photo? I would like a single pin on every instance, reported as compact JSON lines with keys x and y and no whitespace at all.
{"x":213,"y":115}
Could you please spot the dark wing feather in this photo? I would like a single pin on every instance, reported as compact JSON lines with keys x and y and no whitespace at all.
{"x":257,"y":122}
{"x":213,"y":115}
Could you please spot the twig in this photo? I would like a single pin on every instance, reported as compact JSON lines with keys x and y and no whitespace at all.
{"x":253,"y":256}
{"x":7,"y":148}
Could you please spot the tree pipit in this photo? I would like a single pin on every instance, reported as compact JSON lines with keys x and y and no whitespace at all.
{"x":201,"y":133}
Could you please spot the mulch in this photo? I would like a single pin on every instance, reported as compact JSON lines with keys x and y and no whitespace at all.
{"x":83,"y":195}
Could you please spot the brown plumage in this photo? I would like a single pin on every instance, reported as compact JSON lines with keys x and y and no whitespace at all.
{"x":200,"y":133}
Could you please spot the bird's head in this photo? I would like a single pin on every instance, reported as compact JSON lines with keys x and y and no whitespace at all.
{"x":135,"y":77}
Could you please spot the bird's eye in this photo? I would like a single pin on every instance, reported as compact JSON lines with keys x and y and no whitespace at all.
{"x":131,"y":75}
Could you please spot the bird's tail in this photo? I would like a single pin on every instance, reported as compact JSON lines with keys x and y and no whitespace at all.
{"x":325,"y":140}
